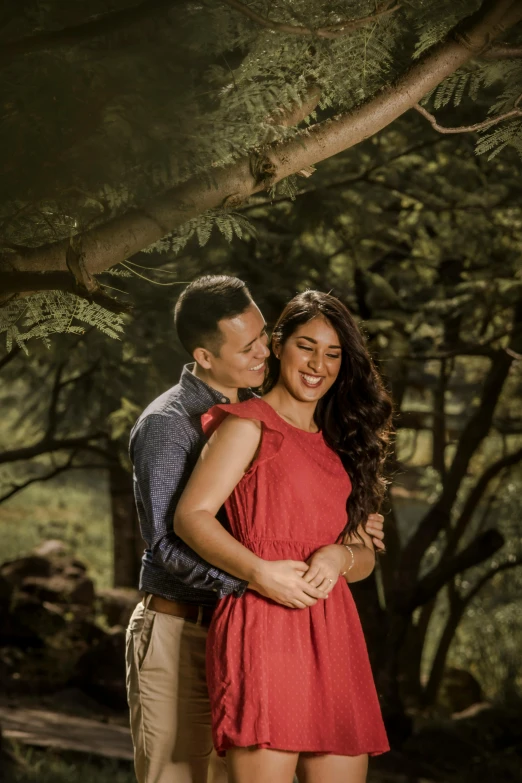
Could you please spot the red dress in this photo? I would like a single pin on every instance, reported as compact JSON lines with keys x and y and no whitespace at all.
{"x":290,"y":679}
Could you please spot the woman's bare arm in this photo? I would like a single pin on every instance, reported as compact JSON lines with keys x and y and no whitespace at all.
{"x":222,"y":464}
{"x":363,"y":556}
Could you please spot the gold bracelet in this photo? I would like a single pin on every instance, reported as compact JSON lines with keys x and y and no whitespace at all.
{"x":350,"y":550}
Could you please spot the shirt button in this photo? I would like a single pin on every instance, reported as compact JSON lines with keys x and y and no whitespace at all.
{"x":224,"y":399}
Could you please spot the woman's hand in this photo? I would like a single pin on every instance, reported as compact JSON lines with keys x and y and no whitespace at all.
{"x":375,"y":529}
{"x":282,"y":581}
{"x":324,"y":567}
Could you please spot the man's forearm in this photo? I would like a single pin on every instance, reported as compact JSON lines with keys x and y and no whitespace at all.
{"x":206,"y":536}
{"x":177,"y":558}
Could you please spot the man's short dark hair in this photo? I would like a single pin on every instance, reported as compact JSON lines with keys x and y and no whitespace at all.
{"x":204,"y":303}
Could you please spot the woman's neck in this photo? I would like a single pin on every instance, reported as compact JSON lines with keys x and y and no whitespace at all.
{"x":298,"y":413}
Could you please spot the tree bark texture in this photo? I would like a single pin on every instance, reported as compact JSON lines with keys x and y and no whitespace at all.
{"x":121,"y":237}
{"x":127,"y":542}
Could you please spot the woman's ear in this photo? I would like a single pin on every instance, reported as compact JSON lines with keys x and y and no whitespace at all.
{"x":276,"y":348}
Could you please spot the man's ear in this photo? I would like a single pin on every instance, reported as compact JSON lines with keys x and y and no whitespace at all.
{"x":203,"y":357}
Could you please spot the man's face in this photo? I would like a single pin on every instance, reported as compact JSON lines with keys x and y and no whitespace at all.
{"x":241,"y":361}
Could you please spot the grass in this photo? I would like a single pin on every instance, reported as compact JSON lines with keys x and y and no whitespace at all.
{"x":73,"y":508}
{"x":46,"y":766}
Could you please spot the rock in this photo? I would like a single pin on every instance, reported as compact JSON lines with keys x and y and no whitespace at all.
{"x":83,"y":592}
{"x":73,"y":572}
{"x":32,"y":621}
{"x":78,"y":564}
{"x":60,"y":589}
{"x":15,"y":571}
{"x":101,"y":670}
{"x":87,"y":631}
{"x":118,"y":604}
{"x":6,"y":592}
{"x":51,"y":548}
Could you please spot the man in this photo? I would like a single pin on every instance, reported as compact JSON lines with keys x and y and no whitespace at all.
{"x":219,"y":324}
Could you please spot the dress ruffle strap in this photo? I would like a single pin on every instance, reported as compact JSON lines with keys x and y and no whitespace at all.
{"x":272,"y":427}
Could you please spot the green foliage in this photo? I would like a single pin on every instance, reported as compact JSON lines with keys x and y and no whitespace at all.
{"x":97,"y":128}
{"x":433,"y":21}
{"x":229,"y":224}
{"x":39,"y":316}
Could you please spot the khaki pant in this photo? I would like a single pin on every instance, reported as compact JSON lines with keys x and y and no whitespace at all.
{"x":168,"y":700}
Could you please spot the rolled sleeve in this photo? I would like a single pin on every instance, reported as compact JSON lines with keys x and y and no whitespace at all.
{"x":163,"y":458}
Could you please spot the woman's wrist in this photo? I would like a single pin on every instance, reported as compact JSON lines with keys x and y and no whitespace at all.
{"x":339,"y":553}
{"x":351,"y":564}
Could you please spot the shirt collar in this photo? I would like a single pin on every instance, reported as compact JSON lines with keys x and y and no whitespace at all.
{"x":200,"y":396}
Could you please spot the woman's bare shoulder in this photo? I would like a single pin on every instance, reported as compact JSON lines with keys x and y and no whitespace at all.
{"x":234,"y":426}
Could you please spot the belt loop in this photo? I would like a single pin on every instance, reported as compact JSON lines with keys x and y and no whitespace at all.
{"x":147,"y":600}
{"x":199,"y":621}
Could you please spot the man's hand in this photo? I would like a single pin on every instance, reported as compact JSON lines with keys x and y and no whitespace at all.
{"x":282,"y":581}
{"x":375,"y":529}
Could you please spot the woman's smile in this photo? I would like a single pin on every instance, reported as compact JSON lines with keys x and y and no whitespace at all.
{"x":312,"y":381}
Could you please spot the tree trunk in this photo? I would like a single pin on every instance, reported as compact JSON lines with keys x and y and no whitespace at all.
{"x":431,"y":690}
{"x":123,"y":236}
{"x":127,"y":542}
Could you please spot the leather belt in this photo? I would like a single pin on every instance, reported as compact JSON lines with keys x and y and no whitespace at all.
{"x":194,"y":613}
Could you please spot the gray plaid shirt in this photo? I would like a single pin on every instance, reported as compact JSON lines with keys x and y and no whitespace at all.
{"x":165,"y":444}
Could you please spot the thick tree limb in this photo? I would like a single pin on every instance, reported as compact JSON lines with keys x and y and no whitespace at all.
{"x":112,"y":22}
{"x":331,"y":31}
{"x":476,"y":552}
{"x":503,"y":52}
{"x":116,"y":240}
{"x":478,"y":126}
{"x":292,"y":116}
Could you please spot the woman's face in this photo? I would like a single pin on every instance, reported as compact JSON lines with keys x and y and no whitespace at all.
{"x":310,"y":360}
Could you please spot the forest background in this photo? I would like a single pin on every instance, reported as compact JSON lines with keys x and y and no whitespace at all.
{"x":368,"y":150}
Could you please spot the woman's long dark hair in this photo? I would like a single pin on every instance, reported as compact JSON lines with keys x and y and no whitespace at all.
{"x":355,"y":413}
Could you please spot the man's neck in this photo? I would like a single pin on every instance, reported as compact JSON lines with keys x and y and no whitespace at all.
{"x":209,"y":379}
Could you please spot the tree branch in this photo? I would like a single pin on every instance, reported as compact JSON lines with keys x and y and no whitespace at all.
{"x":474,"y":432}
{"x":503,"y":52}
{"x":44,"y":446}
{"x":53,"y":402}
{"x":16,"y":488}
{"x":475,"y":496}
{"x":105,"y":24}
{"x":469,"y":128}
{"x":13,"y":353}
{"x":121,"y":237}
{"x":335,"y":30}
{"x":457,"y":608}
{"x":475,"y":553}
{"x":489,"y":575}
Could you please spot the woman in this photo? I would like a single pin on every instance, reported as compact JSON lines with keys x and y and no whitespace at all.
{"x":299,"y":471}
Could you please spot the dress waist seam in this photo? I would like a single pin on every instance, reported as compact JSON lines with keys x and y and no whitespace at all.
{"x":320,"y":542}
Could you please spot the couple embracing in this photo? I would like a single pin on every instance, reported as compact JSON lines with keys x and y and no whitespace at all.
{"x":257,"y":512}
